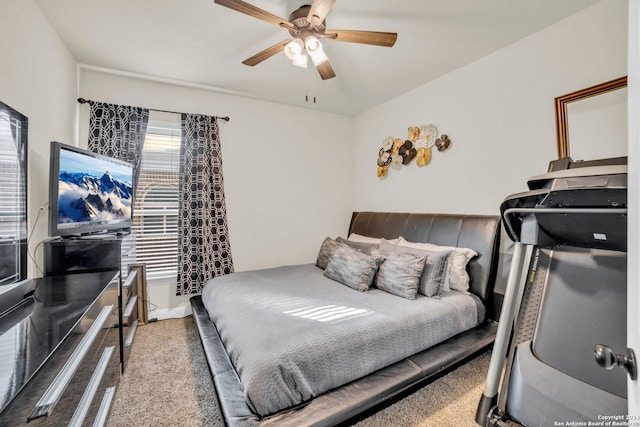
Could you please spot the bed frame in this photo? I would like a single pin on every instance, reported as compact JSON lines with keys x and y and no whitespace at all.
{"x":479,"y":232}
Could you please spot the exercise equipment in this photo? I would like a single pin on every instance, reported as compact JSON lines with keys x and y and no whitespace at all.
{"x":561,"y":337}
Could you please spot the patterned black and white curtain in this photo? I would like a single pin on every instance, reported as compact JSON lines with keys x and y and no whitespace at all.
{"x":118,"y":131}
{"x":203,"y":247}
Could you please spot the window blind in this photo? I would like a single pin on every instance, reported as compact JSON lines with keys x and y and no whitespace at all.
{"x":155,"y":217}
{"x":12,"y":209}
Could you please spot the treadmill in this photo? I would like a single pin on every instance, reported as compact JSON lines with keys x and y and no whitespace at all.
{"x":561,"y":337}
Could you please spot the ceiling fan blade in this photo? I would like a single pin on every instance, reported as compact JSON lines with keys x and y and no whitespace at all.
{"x":266,"y":54}
{"x":256,"y":12}
{"x":319,"y":10}
{"x":377,"y":38}
{"x":326,"y":70}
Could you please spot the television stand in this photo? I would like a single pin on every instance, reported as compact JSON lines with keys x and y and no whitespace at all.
{"x":98,"y":236}
{"x":70,"y":257}
{"x":82,"y":255}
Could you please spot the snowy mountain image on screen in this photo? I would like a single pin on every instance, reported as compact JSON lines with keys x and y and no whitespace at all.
{"x":83,"y":198}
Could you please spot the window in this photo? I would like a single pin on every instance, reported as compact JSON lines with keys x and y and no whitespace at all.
{"x":155,"y":215}
{"x":13,"y":199}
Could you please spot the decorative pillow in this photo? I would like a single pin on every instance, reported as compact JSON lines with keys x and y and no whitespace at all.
{"x":433,"y":275}
{"x":366,"y":239}
{"x":327,"y":249}
{"x":365,"y":248}
{"x":352,"y":268}
{"x":399,"y":273}
{"x":388,"y":245}
{"x":456,"y":276}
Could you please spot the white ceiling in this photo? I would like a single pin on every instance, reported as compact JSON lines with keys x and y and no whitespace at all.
{"x":200,"y":42}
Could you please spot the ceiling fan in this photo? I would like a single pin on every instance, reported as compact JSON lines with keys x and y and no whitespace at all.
{"x":307,"y":26}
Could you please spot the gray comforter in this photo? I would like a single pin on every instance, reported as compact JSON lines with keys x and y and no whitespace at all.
{"x":293,"y":334}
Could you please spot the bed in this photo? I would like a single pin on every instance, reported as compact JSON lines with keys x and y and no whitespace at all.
{"x":290,"y":346}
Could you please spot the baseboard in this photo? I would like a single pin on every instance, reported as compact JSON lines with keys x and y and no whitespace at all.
{"x":171,"y":313}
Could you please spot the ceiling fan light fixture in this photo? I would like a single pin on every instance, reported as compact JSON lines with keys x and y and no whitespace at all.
{"x":294,"y":48}
{"x":300,"y":60}
{"x":319,"y":57}
{"x":307,"y":25}
{"x":312,"y":44}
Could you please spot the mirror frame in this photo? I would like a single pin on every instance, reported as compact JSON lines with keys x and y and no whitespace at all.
{"x":562,"y":125}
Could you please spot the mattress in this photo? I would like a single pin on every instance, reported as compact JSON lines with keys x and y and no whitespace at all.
{"x":293,"y":334}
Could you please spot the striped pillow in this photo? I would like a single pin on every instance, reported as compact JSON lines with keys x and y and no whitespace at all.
{"x":456,"y":276}
{"x":400,"y":273}
{"x":360,"y":246}
{"x":352,"y":268}
{"x":327,"y":249}
{"x":432,"y":281}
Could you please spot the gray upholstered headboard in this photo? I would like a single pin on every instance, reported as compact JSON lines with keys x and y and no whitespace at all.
{"x":478,"y":232}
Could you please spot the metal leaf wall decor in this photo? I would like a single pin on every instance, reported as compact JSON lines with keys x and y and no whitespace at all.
{"x":396,"y":153}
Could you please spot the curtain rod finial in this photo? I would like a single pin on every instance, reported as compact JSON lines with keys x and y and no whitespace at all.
{"x":82,"y":101}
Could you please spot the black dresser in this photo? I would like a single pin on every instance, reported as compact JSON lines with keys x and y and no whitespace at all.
{"x":59,"y":349}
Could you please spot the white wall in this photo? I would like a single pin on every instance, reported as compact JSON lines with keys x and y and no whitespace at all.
{"x":287,"y":170}
{"x":499,"y":113}
{"x":38,"y":79}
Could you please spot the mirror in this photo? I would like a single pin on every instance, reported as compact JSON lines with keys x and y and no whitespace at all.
{"x":13,"y":195}
{"x":596,"y":119}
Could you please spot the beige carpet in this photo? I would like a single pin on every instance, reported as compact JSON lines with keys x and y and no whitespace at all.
{"x":167,"y":383}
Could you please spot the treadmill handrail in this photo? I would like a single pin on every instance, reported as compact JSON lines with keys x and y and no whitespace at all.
{"x":507,"y":212}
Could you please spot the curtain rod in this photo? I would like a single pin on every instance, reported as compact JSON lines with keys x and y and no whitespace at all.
{"x":226,"y":118}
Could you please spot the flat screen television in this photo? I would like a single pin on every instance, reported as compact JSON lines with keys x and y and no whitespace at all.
{"x":88,"y":193}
